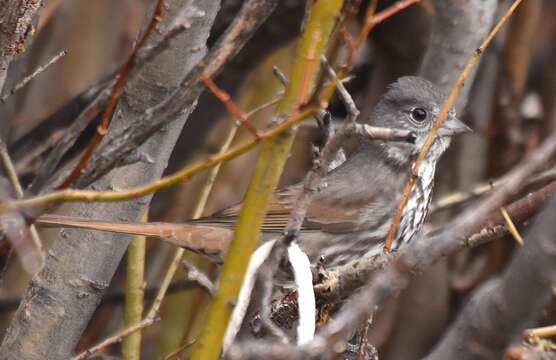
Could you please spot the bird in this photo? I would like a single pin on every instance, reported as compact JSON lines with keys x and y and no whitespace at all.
{"x":349,"y":217}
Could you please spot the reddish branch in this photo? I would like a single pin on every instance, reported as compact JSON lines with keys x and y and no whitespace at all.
{"x":224,"y":97}
{"x":116,"y":92}
{"x":372,"y":19}
{"x":432,"y":133}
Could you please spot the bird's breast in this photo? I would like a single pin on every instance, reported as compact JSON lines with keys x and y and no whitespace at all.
{"x":416,"y":209}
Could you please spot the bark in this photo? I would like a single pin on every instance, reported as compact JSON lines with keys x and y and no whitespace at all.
{"x":61,"y":298}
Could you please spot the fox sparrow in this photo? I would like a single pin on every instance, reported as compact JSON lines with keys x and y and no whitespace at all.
{"x":350,"y":216}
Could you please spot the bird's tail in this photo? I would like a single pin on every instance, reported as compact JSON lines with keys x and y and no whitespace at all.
{"x":209,"y":241}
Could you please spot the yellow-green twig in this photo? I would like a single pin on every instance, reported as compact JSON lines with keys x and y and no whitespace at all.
{"x":165,"y":182}
{"x":134,"y":294}
{"x":275,"y":150}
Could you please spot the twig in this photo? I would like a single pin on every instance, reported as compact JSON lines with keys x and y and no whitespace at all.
{"x":319,"y":115}
{"x":441,"y":116}
{"x":134,"y":292}
{"x":143,"y":56}
{"x":115,"y":338}
{"x":35,"y":73}
{"x":227,"y":101}
{"x":167,"y":181}
{"x":372,"y":19}
{"x":240,"y":308}
{"x":116,"y":91}
{"x":511,"y":227}
{"x":265,"y":105}
{"x":545,"y":331}
{"x":199,"y":277}
{"x":29,"y":244}
{"x":180,"y":349}
{"x":459,"y":198}
{"x":352,"y":110}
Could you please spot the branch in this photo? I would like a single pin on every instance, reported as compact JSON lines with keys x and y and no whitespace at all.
{"x":102,"y":93}
{"x":110,"y":154}
{"x":71,"y":195}
{"x":116,"y":91}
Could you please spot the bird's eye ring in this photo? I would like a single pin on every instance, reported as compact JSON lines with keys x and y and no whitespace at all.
{"x":418,"y":114}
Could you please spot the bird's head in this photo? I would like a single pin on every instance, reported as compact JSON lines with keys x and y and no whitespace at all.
{"x":413,"y":103}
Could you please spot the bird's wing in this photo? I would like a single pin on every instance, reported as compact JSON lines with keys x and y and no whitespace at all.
{"x":276,"y":218}
{"x":329,"y":211}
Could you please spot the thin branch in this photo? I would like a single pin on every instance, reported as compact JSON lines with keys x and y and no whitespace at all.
{"x":372,"y":19}
{"x":116,"y":92}
{"x":35,"y":73}
{"x":199,"y":277}
{"x":545,"y":331}
{"x":134,"y":293}
{"x":28,"y":244}
{"x":227,"y":101}
{"x":180,"y":349}
{"x":458,"y":198}
{"x":117,"y":337}
{"x":103,"y":92}
{"x":165,"y":182}
{"x":511,"y":227}
{"x":176,"y":261}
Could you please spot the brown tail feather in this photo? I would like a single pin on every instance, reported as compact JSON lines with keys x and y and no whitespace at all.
{"x":209,"y":241}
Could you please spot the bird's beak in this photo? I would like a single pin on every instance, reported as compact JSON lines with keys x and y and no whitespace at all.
{"x":453,"y":126}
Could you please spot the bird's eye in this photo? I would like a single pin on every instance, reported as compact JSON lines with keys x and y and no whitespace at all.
{"x":418,"y":114}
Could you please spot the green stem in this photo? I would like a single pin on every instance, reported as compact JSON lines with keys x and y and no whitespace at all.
{"x":134,"y":294}
{"x":274,"y":152}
